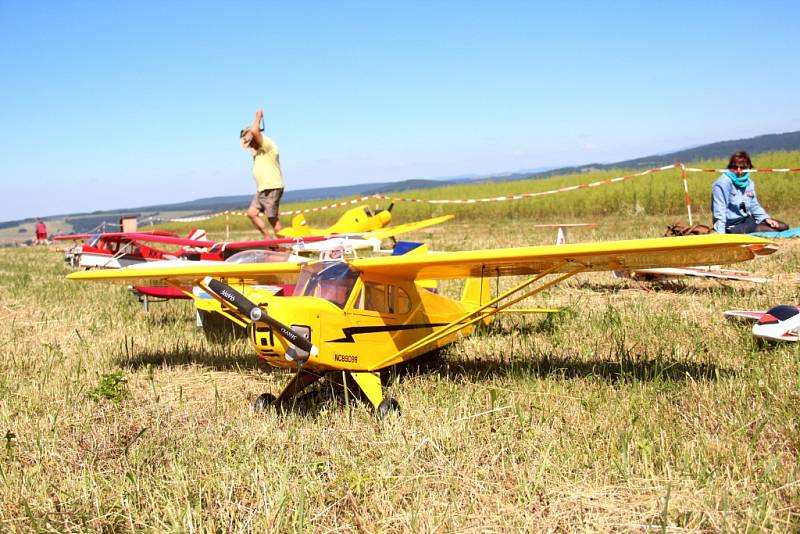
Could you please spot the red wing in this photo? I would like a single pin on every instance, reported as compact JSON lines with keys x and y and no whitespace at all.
{"x":72,"y":237}
{"x":157,"y":236}
{"x":266,"y":243}
{"x":166,"y":238}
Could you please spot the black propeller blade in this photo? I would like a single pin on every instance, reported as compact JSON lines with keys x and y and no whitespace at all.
{"x":389,"y":209}
{"x":257,"y":314}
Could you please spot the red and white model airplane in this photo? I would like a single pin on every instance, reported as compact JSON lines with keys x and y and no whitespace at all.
{"x":114,"y":250}
{"x":779,"y":323}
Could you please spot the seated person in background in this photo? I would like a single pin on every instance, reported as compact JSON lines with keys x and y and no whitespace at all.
{"x":734,"y":205}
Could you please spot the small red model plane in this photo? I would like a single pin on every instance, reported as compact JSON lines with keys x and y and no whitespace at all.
{"x":361,"y":316}
{"x":114,"y":250}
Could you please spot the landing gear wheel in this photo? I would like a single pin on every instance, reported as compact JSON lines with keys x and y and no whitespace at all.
{"x":388,"y":405}
{"x":264,"y":402}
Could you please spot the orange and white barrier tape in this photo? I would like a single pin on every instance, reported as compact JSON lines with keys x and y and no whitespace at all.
{"x":720,"y":171}
{"x":518,"y":196}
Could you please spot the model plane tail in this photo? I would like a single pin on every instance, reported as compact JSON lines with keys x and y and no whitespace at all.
{"x":299,"y":228}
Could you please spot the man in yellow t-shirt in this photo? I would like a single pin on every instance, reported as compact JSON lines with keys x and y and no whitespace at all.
{"x":267,"y":174}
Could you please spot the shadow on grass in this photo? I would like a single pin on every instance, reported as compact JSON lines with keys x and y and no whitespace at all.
{"x":619,"y":367}
{"x":213,"y":359}
{"x":624,"y":371}
{"x":683,"y":286}
{"x":621,"y":371}
{"x":546,"y":324}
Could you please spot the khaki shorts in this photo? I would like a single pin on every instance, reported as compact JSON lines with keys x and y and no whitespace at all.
{"x":267,"y":201}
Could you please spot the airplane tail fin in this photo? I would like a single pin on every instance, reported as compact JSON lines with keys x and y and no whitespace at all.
{"x":299,"y":220}
{"x":197,"y":234}
{"x":299,"y":227}
{"x":476,"y":291}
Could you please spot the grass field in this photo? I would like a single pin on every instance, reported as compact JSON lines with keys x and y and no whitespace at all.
{"x":636,"y":408}
{"x":659,"y":194}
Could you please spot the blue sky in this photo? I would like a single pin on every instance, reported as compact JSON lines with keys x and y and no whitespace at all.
{"x":121,"y":104}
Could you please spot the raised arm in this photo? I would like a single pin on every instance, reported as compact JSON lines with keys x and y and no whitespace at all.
{"x":255,"y":128}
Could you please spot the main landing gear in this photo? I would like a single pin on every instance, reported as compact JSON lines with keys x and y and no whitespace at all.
{"x":368,"y":383}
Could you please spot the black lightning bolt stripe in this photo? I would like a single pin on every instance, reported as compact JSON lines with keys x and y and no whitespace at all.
{"x":350,"y":332}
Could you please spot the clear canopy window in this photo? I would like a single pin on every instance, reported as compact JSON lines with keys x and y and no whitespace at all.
{"x":332,"y":281}
{"x":258,"y":256}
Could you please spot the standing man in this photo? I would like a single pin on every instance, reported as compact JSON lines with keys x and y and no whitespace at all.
{"x":41,"y":232}
{"x":268,"y":176}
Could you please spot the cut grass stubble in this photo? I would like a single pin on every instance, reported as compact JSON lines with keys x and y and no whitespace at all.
{"x":631,"y":409}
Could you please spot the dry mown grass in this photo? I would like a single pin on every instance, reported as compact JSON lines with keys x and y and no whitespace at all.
{"x":631,"y":410}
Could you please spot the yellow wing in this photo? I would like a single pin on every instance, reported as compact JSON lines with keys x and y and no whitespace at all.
{"x":188,"y":272}
{"x":603,"y":256}
{"x":710,"y":249}
{"x":360,"y":227}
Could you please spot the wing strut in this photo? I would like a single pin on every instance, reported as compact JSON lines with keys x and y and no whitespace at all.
{"x":483,"y":312}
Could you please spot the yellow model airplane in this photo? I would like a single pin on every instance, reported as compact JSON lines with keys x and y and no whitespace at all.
{"x":361,"y":316}
{"x":356,"y":220}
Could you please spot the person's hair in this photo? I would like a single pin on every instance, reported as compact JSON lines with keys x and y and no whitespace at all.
{"x":737,"y":155}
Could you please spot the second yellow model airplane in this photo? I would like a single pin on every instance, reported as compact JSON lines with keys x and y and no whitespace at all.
{"x":361,"y":316}
{"x":355,"y":220}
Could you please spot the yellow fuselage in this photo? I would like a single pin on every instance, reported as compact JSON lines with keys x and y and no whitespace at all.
{"x":354,"y":221}
{"x":356,"y":338}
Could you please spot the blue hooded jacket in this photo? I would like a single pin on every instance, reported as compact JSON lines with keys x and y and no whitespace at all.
{"x":731,"y":205}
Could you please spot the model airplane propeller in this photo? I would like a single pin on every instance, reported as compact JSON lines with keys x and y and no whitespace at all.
{"x":362,"y":316}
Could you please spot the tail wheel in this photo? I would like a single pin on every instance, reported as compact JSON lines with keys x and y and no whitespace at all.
{"x":387,"y":406}
{"x":263,"y":402}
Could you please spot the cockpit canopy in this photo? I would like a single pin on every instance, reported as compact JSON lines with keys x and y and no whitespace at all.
{"x":258,"y":256}
{"x":330,"y":280}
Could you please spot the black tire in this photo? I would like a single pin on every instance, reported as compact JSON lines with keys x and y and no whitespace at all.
{"x":387,"y":406}
{"x":265,"y":401}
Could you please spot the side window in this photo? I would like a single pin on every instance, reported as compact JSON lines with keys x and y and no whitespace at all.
{"x":403,"y":303}
{"x":358,"y":302}
{"x":375,"y":297}
{"x":384,"y":299}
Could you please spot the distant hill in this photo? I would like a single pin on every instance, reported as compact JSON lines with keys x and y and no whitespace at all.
{"x":301,"y":195}
{"x":720,"y":150}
